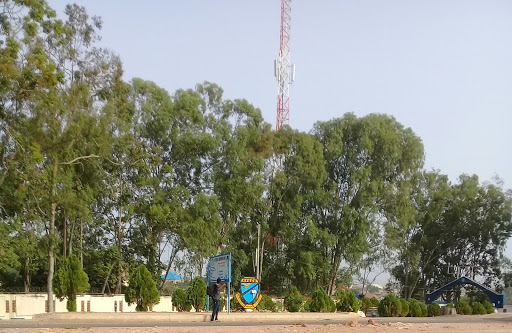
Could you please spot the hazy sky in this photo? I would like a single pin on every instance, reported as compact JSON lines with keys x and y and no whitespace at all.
{"x":441,"y":67}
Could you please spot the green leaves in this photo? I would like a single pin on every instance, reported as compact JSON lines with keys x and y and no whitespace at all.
{"x":142,"y":289}
{"x":70,"y":280}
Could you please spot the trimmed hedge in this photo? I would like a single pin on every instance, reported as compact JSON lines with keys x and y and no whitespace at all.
{"x":322,"y":302}
{"x":417,"y":309}
{"x":433,"y":310}
{"x":464,"y":308}
{"x":478,"y":308}
{"x":405,"y":308}
{"x":488,"y":307}
{"x":390,"y":306}
{"x":369,"y":303}
{"x":346,"y":301}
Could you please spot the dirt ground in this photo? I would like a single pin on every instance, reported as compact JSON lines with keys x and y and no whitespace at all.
{"x":360,"y":326}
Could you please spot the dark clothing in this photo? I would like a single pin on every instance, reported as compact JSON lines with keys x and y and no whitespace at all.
{"x":216,"y":291}
{"x":216,"y":308}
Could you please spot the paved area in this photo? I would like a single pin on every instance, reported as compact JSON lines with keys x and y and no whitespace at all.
{"x":256,"y":323}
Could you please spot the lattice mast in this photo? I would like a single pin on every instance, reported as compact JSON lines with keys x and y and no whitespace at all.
{"x":283,"y":69}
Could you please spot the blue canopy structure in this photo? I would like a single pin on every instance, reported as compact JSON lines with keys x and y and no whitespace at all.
{"x":497,"y":300}
{"x":171,"y":276}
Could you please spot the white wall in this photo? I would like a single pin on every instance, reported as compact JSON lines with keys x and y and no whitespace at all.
{"x":30,"y":304}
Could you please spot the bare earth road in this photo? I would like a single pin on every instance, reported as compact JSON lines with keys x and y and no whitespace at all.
{"x":499,"y":322}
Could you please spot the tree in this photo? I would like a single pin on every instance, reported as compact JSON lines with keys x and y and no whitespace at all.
{"x":196,"y":294}
{"x":69,"y":281}
{"x":142,"y":289}
{"x":367,"y":160}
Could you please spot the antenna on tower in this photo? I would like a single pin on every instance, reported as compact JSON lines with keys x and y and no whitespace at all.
{"x":284,"y":71}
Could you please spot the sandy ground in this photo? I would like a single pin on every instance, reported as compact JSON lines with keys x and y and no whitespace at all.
{"x":362,"y":326}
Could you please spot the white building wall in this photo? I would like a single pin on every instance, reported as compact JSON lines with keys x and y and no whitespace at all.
{"x":30,"y":304}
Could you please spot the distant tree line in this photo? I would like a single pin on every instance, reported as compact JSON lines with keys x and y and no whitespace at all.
{"x":120,"y":173}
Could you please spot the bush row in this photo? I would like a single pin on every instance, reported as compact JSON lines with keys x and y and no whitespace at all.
{"x":475,"y":308}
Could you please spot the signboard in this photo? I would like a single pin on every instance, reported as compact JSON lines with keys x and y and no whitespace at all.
{"x":220,"y":267}
{"x":249,"y":295}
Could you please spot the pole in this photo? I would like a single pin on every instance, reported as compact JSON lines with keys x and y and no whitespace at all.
{"x":229,"y":284}
{"x":207,"y":285}
{"x":258,"y":254}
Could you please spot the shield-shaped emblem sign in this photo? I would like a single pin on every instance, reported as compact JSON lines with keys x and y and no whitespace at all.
{"x":249,"y":295}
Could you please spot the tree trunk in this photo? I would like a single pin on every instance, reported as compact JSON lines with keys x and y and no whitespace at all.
{"x":81,"y":243}
{"x":106,"y":280}
{"x":119,"y":240}
{"x":26,"y":278}
{"x":261,"y":259}
{"x":51,"y":250}
{"x":64,"y":237}
{"x":71,"y":234}
{"x":171,"y":259}
{"x":406,"y":282}
{"x":119,"y":281}
{"x":51,"y":257}
{"x":331,"y":287}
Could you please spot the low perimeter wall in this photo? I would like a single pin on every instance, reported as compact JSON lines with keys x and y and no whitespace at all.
{"x":28,"y":304}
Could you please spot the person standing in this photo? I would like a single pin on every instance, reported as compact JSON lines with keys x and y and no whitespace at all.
{"x":217,"y":287}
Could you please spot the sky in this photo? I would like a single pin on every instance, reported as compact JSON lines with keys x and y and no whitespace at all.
{"x":440,"y":67}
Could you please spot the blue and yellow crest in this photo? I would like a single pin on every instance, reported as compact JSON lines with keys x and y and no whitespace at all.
{"x":249,"y":295}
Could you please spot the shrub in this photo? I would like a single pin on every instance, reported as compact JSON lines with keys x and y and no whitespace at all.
{"x":293,"y":301}
{"x":450,"y":305}
{"x":306,"y":305}
{"x":423,"y":308}
{"x":267,"y":303}
{"x":322,"y":302}
{"x":196,"y":294}
{"x":478,"y":308}
{"x":235,"y":306}
{"x":488,"y":307}
{"x":69,"y":281}
{"x":346,"y":301}
{"x":180,"y":301}
{"x":415,"y":308}
{"x":365,"y":304}
{"x":368,"y":303}
{"x":142,"y":289}
{"x":463,"y":307}
{"x":433,"y":310}
{"x":404,"y":311}
{"x":390,"y":306}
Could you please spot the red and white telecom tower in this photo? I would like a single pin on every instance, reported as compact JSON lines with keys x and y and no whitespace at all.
{"x":283,"y":69}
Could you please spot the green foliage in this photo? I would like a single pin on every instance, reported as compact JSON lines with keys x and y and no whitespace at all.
{"x":321,"y":302}
{"x":415,"y":309}
{"x":478,"y":308}
{"x":450,"y":305}
{"x":488,"y":307}
{"x":369,"y":303}
{"x":424,"y":311}
{"x":117,"y":168}
{"x":267,"y":304}
{"x":390,"y":306}
{"x":346,"y":301}
{"x":404,"y":310}
{"x":306,"y":305}
{"x":433,"y":309}
{"x":196,"y":294}
{"x":235,"y":306}
{"x":69,"y":281}
{"x":293,"y":300}
{"x":463,"y":308}
{"x":180,"y":301}
{"x":142,"y":289}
